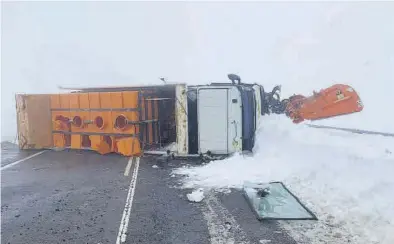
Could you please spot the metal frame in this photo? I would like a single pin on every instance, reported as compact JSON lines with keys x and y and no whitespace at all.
{"x":141,"y":128}
{"x":145,"y":94}
{"x":145,"y":121}
{"x":96,"y":109}
{"x":152,"y":104}
{"x":145,"y":118}
{"x":93,"y":133}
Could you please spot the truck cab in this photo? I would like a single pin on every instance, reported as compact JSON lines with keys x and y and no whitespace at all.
{"x":222,"y":118}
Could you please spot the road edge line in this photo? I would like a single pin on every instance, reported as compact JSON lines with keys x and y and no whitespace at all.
{"x":128,"y":166}
{"x":124,"y":223}
{"x":21,"y":160}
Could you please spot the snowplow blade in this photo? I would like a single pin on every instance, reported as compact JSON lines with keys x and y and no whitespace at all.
{"x":336,"y":100}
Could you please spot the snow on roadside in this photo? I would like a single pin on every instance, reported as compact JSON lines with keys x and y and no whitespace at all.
{"x":346,"y":179}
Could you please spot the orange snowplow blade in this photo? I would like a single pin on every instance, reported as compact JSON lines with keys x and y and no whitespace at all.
{"x":336,"y":100}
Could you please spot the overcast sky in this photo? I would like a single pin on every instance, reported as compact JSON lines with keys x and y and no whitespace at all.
{"x":303,"y":46}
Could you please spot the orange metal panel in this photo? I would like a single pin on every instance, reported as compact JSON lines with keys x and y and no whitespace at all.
{"x":84,"y":115}
{"x":64,"y":101}
{"x":114,"y":147}
{"x":116,"y":100}
{"x":84,"y":100}
{"x":93,"y":127}
{"x":80,"y":121}
{"x":122,"y":118}
{"x":101,"y":122}
{"x":108,"y":123}
{"x":74,"y":100}
{"x":104,"y":148}
{"x":105,"y":100}
{"x":130,"y":99}
{"x":59,"y":120}
{"x":76,"y":141}
{"x":101,"y":144}
{"x":59,"y":140}
{"x":55,"y":101}
{"x":94,"y":100}
{"x":128,"y":146}
{"x":95,"y":141}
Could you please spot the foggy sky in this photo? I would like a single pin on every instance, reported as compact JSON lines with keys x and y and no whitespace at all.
{"x":303,"y":46}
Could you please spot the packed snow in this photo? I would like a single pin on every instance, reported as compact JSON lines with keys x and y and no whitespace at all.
{"x":196,"y":195}
{"x":345,"y":178}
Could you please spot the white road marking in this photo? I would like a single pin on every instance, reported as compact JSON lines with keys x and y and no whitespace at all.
{"x":128,"y":166}
{"x":124,"y":223}
{"x":222,"y":226}
{"x":20,"y":161}
{"x":217,"y":231}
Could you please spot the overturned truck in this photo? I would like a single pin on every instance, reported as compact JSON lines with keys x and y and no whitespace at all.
{"x":216,"y":119}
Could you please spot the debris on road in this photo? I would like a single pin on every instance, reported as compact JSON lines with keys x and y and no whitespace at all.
{"x":227,"y":225}
{"x":196,"y":196}
{"x":155,"y":166}
{"x":275,"y":201}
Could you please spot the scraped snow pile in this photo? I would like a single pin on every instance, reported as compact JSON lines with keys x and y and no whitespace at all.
{"x":346,"y":179}
{"x":196,"y":195}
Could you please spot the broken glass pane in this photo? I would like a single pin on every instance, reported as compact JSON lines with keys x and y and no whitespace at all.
{"x":275,"y":201}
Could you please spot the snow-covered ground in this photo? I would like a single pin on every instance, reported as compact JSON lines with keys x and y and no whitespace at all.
{"x":346,"y":179}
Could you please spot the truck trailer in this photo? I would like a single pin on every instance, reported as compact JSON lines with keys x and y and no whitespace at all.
{"x":173,"y":119}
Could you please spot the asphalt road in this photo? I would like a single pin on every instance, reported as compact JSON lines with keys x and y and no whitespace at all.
{"x":83,"y":197}
{"x":10,"y":153}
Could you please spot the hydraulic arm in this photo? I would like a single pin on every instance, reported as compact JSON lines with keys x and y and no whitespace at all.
{"x":333,"y":101}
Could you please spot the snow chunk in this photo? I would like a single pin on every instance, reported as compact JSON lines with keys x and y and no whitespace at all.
{"x":196,"y":196}
{"x":155,"y":166}
{"x":172,"y":147}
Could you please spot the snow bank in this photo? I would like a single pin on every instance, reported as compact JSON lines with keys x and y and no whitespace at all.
{"x":347,"y":179}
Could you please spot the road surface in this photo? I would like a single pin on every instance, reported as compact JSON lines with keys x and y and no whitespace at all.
{"x":84,"y":197}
